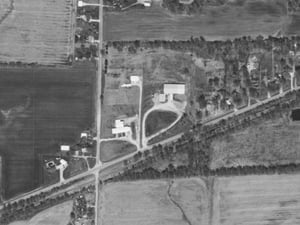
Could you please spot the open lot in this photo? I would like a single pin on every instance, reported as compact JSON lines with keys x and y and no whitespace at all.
{"x":41,"y":108}
{"x":269,"y":143}
{"x":155,"y":202}
{"x":110,"y":150}
{"x":158,"y":120}
{"x":264,"y":200}
{"x":56,"y":215}
{"x":36,"y":31}
{"x":231,"y":20}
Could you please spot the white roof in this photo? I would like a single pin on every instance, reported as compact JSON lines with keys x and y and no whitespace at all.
{"x":174,"y":89}
{"x":84,"y":134}
{"x":119,"y":123}
{"x":65,"y":148}
{"x":134,"y":79}
{"x":119,"y":130}
{"x":80,"y":3}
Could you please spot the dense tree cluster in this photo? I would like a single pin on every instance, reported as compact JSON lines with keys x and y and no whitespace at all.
{"x":26,"y":208}
{"x":195,"y":7}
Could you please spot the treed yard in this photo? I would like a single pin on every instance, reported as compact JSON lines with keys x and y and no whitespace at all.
{"x":41,"y":109}
{"x":271,"y":142}
{"x":158,"y":120}
{"x":110,"y":150}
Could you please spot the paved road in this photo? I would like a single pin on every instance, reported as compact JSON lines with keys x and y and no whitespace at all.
{"x":98,"y":110}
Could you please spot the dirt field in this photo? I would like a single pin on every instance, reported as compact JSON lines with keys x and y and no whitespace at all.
{"x":262,"y":199}
{"x":158,"y":120}
{"x":43,"y":108}
{"x":254,"y":18}
{"x":36,"y":31}
{"x":57,"y":215}
{"x":271,"y":142}
{"x":110,"y":150}
{"x":156,"y":202}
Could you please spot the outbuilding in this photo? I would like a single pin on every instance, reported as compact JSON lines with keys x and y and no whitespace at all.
{"x":65,"y":148}
{"x":174,"y":89}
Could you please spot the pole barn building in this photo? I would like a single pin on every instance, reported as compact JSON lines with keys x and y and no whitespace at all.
{"x":174,"y":89}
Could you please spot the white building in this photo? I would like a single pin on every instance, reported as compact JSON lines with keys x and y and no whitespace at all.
{"x":174,"y":89}
{"x":63,"y":164}
{"x":65,"y":148}
{"x":83,"y":134}
{"x":134,"y":79}
{"x":120,"y":128}
{"x":146,"y":3}
{"x":119,"y":123}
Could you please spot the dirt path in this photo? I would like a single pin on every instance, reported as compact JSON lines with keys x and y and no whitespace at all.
{"x":184,"y":216}
{"x":8,"y":11}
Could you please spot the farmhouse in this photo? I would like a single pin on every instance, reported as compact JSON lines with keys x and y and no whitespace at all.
{"x":174,"y":89}
{"x":62,"y":164}
{"x":120,"y":129}
{"x":134,"y":80}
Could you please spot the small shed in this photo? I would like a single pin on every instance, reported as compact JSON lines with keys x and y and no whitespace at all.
{"x":65,"y":148}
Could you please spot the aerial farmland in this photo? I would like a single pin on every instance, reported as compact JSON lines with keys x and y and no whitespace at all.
{"x":36,"y":31}
{"x":41,"y":108}
{"x":265,"y":17}
{"x":256,"y":200}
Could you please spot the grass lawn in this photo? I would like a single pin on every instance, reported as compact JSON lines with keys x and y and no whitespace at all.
{"x":110,"y":150}
{"x":158,"y":120}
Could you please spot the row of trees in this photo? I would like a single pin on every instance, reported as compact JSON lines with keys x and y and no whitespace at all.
{"x":196,"y":6}
{"x":238,"y":48}
{"x":188,"y":171}
{"x":196,"y":144}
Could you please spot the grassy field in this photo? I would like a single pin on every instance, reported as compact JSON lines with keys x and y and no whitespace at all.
{"x":156,"y":202}
{"x":157,"y":67}
{"x":260,"y":199}
{"x":75,"y":166}
{"x":158,"y":120}
{"x":56,"y":215}
{"x":110,"y":150}
{"x":36,"y":31}
{"x":253,"y":17}
{"x":270,"y":142}
{"x":43,"y":108}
